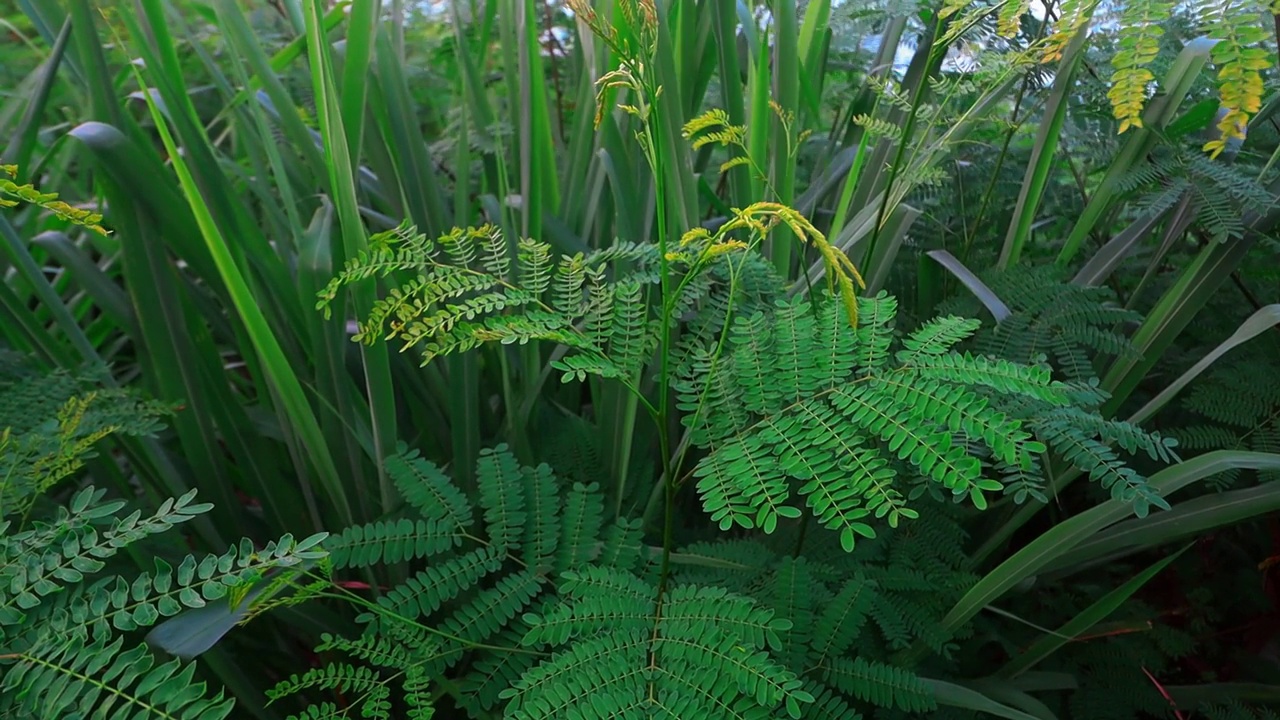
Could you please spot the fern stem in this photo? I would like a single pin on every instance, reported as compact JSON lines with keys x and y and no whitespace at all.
{"x":664,"y":372}
{"x":686,"y":440}
{"x":382,"y":611}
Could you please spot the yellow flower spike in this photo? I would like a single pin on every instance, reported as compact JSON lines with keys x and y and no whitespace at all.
{"x":650,"y":12}
{"x":842,"y":275}
{"x":49,"y":201}
{"x":707,"y":120}
{"x":853,"y":269}
{"x":694,"y":234}
{"x":850,"y":300}
{"x":724,"y":247}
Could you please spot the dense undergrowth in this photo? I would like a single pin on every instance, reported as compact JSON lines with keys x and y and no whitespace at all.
{"x":630,"y":359}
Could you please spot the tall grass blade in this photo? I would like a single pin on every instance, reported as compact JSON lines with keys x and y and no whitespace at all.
{"x":1044,"y":152}
{"x":22,"y":142}
{"x":724,"y":14}
{"x":950,"y":694}
{"x":786,"y":93}
{"x":972,"y":283}
{"x":1109,"y":257}
{"x":280,"y":373}
{"x":1175,"y":310}
{"x":341,"y":115}
{"x":1187,"y":520}
{"x":1070,"y":533}
{"x":1263,"y":319}
{"x":1100,"y":610}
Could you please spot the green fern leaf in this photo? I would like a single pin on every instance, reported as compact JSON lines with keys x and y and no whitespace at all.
{"x":425,"y":592}
{"x":425,"y":486}
{"x":583,"y":514}
{"x":75,"y":678}
{"x":502,"y":496}
{"x":841,"y":620}
{"x":392,"y":541}
{"x":541,"y":536}
{"x":880,"y":684}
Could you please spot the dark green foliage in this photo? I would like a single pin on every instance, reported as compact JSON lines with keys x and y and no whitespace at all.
{"x":63,"y":601}
{"x":1066,"y":324}
{"x":1235,"y":407}
{"x":555,"y":612}
{"x":1220,"y":193}
{"x":1073,"y":328}
{"x":798,"y":400}
{"x":51,"y":424}
{"x":1238,"y":711}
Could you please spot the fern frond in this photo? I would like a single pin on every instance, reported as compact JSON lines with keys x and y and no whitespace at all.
{"x":583,"y":514}
{"x":879,"y":684}
{"x":391,"y":541}
{"x":66,"y":551}
{"x":612,"y":664}
{"x":501,"y":484}
{"x":622,"y":545}
{"x":1102,"y":466}
{"x":495,"y":673}
{"x":542,"y":497}
{"x":79,"y":679}
{"x":378,"y":651}
{"x":425,"y":592}
{"x":1235,"y":710}
{"x":827,"y":705}
{"x":695,"y":606}
{"x":341,"y":677}
{"x":424,"y":485}
{"x":732,"y":563}
{"x":855,"y":418}
{"x":468,"y":291}
{"x":792,"y":599}
{"x":491,"y":609}
{"x":841,"y":620}
{"x":935,"y":338}
{"x":719,"y":659}
{"x":323,"y":711}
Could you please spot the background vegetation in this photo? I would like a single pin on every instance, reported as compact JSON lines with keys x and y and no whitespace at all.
{"x":1059,"y":223}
